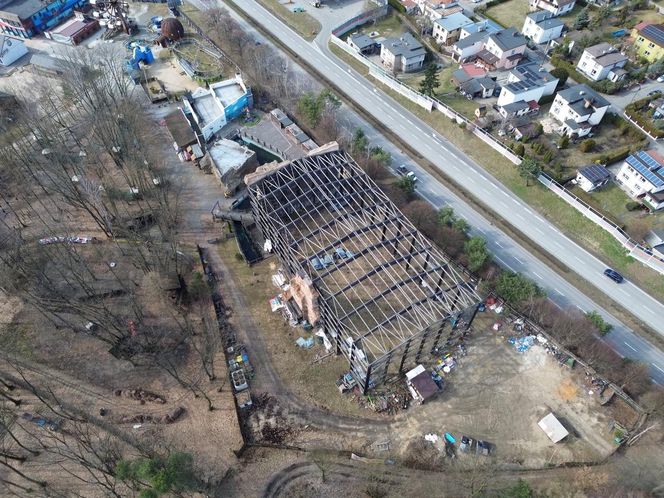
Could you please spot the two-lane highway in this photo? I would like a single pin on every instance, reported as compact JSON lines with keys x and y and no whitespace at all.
{"x":456,"y":164}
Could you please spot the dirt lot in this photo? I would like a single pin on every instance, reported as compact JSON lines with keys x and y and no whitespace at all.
{"x":498,"y":394}
{"x":495,"y":394}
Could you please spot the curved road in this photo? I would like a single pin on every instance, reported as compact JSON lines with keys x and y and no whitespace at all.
{"x":453,"y":162}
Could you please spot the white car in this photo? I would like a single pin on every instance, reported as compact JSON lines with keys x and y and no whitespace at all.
{"x":412,"y":176}
{"x":660,"y":79}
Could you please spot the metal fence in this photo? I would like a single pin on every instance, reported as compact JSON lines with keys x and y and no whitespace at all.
{"x":635,"y":250}
{"x":424,"y":101}
{"x":197,"y":29}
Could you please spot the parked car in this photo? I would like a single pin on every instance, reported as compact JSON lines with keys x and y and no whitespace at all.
{"x":654,"y":92}
{"x":660,"y":79}
{"x":402,"y":169}
{"x":483,"y":448}
{"x":412,"y":176}
{"x":613,"y":275}
{"x":466,"y":444}
{"x":298,"y":9}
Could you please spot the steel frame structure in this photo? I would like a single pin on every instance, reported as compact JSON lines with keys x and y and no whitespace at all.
{"x":391,"y":294}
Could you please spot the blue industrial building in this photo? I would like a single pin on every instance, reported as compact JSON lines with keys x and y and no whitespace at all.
{"x":27,"y":18}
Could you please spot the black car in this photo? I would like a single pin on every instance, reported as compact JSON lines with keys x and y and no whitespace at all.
{"x":613,"y":275}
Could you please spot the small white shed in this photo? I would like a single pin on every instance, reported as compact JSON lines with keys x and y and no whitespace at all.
{"x":553,"y":428}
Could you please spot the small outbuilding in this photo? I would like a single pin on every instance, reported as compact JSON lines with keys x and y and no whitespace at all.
{"x":420,"y":384}
{"x":553,"y":428}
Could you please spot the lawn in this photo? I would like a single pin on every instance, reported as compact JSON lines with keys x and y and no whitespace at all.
{"x":568,"y":18}
{"x":387,"y":26}
{"x":303,"y":23}
{"x":510,"y":14}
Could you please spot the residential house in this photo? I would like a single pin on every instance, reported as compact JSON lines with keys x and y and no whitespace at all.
{"x":525,"y":130}
{"x":466,"y":72}
{"x":402,"y":54}
{"x":410,"y":6}
{"x":472,"y":38}
{"x":578,"y":109}
{"x":649,"y":41}
{"x":436,"y":9}
{"x":542,"y":27}
{"x":27,"y":18}
{"x":478,"y":87}
{"x":446,"y":30}
{"x":655,"y":240}
{"x":592,"y":177}
{"x":556,"y":7}
{"x":362,"y":43}
{"x":503,"y":50}
{"x":642,"y":176}
{"x":527,"y":82}
{"x":514,"y":110}
{"x":11,"y":50}
{"x":602,"y":61}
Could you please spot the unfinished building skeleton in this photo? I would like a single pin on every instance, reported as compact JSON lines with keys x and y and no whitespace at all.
{"x":388,"y":298}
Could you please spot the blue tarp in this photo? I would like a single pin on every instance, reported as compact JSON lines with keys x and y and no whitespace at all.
{"x":305,"y":343}
{"x":522,"y":344}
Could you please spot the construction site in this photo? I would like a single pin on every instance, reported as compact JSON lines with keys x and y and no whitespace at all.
{"x":381,"y":292}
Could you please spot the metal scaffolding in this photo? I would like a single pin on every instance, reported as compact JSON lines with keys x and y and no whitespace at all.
{"x":386,"y":292}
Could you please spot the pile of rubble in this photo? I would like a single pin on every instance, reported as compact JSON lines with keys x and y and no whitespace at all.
{"x":140,"y":395}
{"x":142,"y":418}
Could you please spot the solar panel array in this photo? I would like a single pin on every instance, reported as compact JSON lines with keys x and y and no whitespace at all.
{"x":648,"y":167}
{"x":654,"y":32}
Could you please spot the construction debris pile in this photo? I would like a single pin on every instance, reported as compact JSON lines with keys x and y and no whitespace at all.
{"x":140,"y":395}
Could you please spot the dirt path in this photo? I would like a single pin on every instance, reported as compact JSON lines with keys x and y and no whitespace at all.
{"x":198,"y":193}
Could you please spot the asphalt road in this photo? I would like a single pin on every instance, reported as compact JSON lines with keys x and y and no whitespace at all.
{"x":456,"y":164}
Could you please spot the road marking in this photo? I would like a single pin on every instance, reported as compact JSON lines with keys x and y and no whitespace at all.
{"x":499,"y":244}
{"x":504,"y":264}
{"x":537,"y":275}
{"x":647,"y":309}
{"x":515,"y":201}
{"x":578,"y":259}
{"x":481,"y":231}
{"x":557,"y":305}
{"x":539,"y":230}
{"x":629,"y":346}
{"x":558,"y":291}
{"x":522,"y":262}
{"x":657,"y":367}
{"x":582,"y":310}
{"x":504,"y":193}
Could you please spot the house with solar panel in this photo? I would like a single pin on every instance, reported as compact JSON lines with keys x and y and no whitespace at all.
{"x":649,"y":40}
{"x":642,"y":177}
{"x":527,"y":82}
{"x":592,"y":177}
